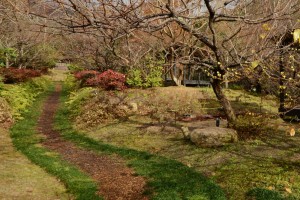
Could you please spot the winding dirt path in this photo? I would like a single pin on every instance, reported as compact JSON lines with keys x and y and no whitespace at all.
{"x":116,"y":181}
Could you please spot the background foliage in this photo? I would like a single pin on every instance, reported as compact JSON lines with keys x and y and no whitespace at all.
{"x":148,"y":75}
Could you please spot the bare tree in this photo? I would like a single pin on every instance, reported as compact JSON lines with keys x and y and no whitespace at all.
{"x":231,"y":33}
{"x":20,"y":33}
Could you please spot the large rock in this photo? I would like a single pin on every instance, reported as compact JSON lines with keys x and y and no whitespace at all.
{"x":213,"y":136}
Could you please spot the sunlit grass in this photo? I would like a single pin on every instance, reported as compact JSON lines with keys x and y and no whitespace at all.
{"x":20,"y":179}
{"x":243,"y":99}
{"x":57,"y":74}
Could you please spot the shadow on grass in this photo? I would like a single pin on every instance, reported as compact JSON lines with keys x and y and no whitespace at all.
{"x":268,"y":164}
{"x":167,"y":179}
{"x":263,"y":194}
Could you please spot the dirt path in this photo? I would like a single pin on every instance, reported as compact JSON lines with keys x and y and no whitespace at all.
{"x":115,"y":180}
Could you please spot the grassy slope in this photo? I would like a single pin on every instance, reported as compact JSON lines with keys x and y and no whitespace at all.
{"x":167,"y":179}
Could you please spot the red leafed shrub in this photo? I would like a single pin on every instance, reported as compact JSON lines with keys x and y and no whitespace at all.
{"x":84,"y":75}
{"x":108,"y":80}
{"x":15,"y":75}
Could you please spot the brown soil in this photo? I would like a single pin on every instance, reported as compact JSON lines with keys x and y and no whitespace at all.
{"x":115,"y":179}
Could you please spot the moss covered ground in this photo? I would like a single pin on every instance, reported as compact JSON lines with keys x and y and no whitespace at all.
{"x":264,"y":167}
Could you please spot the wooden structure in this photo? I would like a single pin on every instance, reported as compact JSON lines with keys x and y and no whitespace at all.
{"x":181,"y":66}
{"x":292,"y":115}
{"x":190,"y":77}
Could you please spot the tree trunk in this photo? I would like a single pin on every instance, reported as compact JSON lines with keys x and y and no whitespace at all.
{"x":175,"y":69}
{"x":6,"y":61}
{"x":282,"y":89}
{"x":229,"y":112}
{"x":226,"y":81}
{"x":177,"y":78}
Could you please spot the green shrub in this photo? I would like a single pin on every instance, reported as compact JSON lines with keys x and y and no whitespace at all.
{"x":22,"y":95}
{"x":154,"y":78}
{"x":74,"y":68}
{"x":134,"y":78}
{"x":38,"y":85}
{"x":77,"y":98}
{"x":147,"y":74}
{"x":18,"y":97}
{"x":250,"y":125}
{"x":7,"y":54}
{"x":70,"y":83}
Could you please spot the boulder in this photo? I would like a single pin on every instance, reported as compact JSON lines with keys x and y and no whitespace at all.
{"x":213,"y":136}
